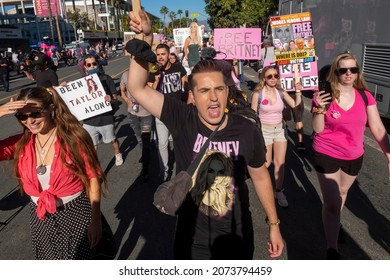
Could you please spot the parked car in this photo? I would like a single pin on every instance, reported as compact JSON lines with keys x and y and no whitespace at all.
{"x":119,"y":46}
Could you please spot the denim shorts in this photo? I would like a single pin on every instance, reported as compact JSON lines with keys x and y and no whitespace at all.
{"x":274,"y":133}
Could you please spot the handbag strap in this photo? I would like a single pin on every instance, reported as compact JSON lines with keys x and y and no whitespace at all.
{"x":194,"y":164}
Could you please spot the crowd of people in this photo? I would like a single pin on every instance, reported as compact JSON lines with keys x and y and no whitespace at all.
{"x":213,"y":221}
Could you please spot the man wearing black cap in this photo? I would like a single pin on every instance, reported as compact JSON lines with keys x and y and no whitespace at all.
{"x":44,"y":76}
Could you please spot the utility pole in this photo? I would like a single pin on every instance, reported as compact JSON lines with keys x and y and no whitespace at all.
{"x":58,"y":25}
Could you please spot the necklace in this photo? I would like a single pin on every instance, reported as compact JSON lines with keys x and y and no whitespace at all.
{"x":41,"y":169}
{"x":42,"y":151}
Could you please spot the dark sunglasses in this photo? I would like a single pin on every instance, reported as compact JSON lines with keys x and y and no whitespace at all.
{"x":90,"y":64}
{"x":342,"y":71}
{"x":34,"y":115}
{"x":269,"y":77}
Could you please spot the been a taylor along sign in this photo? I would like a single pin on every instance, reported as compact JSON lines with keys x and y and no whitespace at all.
{"x":85,"y":97}
{"x":240,"y":43}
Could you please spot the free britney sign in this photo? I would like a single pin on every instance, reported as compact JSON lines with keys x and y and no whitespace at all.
{"x":240,"y":43}
{"x":85,"y":97}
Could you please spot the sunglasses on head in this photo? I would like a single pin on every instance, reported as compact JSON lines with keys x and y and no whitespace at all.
{"x":34,"y":115}
{"x":90,"y":64}
{"x":342,"y":71}
{"x":269,"y":77}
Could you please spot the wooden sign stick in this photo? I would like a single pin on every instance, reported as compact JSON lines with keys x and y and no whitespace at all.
{"x":136,"y":4}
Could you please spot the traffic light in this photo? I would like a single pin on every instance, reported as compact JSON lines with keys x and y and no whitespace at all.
{"x":186,"y":13}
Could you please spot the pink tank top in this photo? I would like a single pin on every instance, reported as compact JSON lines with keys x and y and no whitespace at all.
{"x":271,"y":114}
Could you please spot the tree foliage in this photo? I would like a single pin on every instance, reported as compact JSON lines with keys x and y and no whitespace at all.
{"x":80,"y":20}
{"x":238,"y":13}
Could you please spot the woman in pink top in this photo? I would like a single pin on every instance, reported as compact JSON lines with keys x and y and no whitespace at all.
{"x":339,"y":120}
{"x":270,"y":109}
{"x":63,"y":181}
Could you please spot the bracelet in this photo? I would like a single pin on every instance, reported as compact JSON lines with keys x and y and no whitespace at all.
{"x":318,"y":111}
{"x":297,"y":91}
{"x":273,"y":224}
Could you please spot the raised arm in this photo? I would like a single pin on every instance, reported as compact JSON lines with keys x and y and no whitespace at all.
{"x":146,"y":96}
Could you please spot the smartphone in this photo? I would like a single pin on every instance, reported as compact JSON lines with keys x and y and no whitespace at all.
{"x":324,"y":86}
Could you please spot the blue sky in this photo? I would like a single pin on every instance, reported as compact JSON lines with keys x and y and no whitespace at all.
{"x":193,"y":7}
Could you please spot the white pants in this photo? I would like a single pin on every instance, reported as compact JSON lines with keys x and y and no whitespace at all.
{"x":163,"y":140}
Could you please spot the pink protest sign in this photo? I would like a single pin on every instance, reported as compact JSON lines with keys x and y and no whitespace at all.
{"x":240,"y":43}
{"x":307,"y":72}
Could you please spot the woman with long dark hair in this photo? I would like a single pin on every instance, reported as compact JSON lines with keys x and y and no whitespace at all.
{"x":63,"y":182}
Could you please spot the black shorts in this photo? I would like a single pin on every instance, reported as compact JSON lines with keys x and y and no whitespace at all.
{"x":325,"y":164}
{"x":297,"y":112}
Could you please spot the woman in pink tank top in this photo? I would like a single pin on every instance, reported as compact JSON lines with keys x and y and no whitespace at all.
{"x":270,"y":107}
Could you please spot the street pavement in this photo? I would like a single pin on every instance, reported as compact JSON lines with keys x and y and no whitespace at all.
{"x":142,"y":232}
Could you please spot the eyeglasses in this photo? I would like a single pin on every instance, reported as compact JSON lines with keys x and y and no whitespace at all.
{"x":90,"y":64}
{"x":342,"y":71}
{"x":34,"y":115}
{"x":269,"y":77}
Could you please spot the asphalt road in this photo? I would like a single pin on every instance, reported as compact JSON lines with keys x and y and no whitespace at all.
{"x":145,"y":233}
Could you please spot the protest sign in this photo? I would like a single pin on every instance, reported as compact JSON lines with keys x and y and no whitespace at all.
{"x":180,"y":35}
{"x":307,"y":72}
{"x":293,"y":38}
{"x":240,"y":43}
{"x":85,"y":97}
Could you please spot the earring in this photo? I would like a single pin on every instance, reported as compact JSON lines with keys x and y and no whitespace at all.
{"x":53,"y":114}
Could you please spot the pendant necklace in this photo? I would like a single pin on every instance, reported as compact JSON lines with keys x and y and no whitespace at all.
{"x":41,"y":169}
{"x":42,"y":151}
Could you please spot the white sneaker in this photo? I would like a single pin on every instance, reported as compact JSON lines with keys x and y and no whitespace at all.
{"x":281,"y":198}
{"x":118,"y":159}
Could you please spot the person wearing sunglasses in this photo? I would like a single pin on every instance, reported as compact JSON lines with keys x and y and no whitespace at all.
{"x":103,"y":124}
{"x":267,"y":101}
{"x":339,"y":122}
{"x":62,"y":182}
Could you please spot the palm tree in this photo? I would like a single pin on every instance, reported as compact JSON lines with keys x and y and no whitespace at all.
{"x":94,"y":13}
{"x":172,"y":16}
{"x":164,"y":11}
{"x":180,"y":12}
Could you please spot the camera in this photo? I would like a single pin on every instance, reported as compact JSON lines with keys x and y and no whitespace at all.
{"x":135,"y":108}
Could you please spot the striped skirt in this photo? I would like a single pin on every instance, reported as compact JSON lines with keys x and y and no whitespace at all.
{"x":62,"y":235}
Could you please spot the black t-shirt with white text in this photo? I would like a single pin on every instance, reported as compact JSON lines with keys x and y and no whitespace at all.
{"x":170,"y":81}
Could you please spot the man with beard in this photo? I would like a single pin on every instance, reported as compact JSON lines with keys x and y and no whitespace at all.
{"x":170,"y":80}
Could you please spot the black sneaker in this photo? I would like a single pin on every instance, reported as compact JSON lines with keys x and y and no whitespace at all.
{"x":301,"y":146}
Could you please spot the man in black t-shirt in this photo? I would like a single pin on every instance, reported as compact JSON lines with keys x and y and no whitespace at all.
{"x":197,"y":233}
{"x":170,"y":80}
{"x":43,"y":75}
{"x":103,"y":124}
